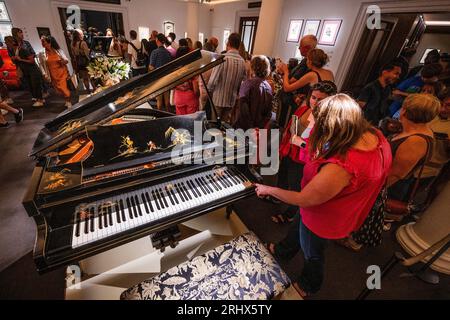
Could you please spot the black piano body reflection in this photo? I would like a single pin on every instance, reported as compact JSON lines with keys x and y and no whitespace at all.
{"x":111,"y":171}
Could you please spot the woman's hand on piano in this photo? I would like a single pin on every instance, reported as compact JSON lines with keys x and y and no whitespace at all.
{"x":262,"y":191}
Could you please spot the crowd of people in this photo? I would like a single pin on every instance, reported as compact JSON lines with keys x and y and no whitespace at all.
{"x":342,"y":158}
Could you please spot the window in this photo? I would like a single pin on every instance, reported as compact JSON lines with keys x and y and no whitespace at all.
{"x":247,"y":30}
{"x":5,"y":22}
{"x":144,"y":33}
{"x":226,"y":35}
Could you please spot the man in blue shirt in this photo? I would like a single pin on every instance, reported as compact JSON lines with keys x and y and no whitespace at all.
{"x":429,"y":74}
{"x":158,"y":58}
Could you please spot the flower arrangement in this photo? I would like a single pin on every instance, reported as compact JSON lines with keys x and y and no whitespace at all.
{"x":108,"y":71}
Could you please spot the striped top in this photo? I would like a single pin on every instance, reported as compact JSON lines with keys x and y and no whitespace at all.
{"x":226,"y":79}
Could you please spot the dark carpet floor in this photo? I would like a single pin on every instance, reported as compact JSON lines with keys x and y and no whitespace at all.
{"x":345,"y":274}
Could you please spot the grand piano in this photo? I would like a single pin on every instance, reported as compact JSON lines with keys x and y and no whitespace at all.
{"x":113,"y":169}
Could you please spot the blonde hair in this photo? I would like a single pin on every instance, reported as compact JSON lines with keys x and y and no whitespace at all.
{"x":421,"y":107}
{"x":339,"y":125}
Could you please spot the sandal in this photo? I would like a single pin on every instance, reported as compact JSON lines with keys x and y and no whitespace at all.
{"x":281,"y":219}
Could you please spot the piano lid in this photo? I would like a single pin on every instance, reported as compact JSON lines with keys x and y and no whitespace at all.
{"x":120,"y":99}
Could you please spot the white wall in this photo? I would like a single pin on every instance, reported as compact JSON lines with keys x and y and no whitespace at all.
{"x":29,"y":14}
{"x":346,"y":10}
{"x":431,"y":40}
{"x":227,"y":16}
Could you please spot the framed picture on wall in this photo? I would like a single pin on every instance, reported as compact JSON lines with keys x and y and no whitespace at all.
{"x":295,"y":29}
{"x":311,"y":27}
{"x":226,"y":35}
{"x":168,"y":27}
{"x":329,"y":33}
{"x":4,"y":16}
{"x":43,"y":31}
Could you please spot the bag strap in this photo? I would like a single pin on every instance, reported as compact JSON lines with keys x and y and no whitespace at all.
{"x":416,"y":184}
{"x":136,"y":49}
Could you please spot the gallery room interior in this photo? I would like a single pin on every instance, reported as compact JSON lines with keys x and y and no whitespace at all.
{"x":224,"y":150}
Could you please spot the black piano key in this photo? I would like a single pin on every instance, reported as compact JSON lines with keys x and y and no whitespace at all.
{"x":122,"y":210}
{"x":130,"y":211}
{"x":160,"y":199}
{"x":209,"y":184}
{"x":144,"y":201}
{"x":117,"y":210}
{"x":177,"y":188}
{"x":156,"y":200}
{"x":86,"y":225}
{"x":236,"y":175}
{"x":174,"y":196}
{"x":186,"y":190}
{"x":163,"y":197}
{"x":77,"y":224}
{"x":100,"y":217}
{"x":110,"y":215}
{"x":138,"y":204}
{"x":149,"y":202}
{"x":206,"y":185}
{"x":169,"y":193}
{"x":134,"y":207}
{"x":213,"y":182}
{"x":180,"y":187}
{"x":105,"y":216}
{"x":227,"y":172}
{"x":220,"y":180}
{"x":193,"y":189}
{"x":197,"y":181}
{"x":225,"y":180}
{"x":92,"y":223}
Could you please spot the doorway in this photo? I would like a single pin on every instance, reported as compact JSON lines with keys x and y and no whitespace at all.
{"x":247,"y":30}
{"x":100,"y":20}
{"x":378,"y":46}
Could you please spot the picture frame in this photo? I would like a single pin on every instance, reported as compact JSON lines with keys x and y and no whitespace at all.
{"x":330,"y":32}
{"x":295,"y":30}
{"x":4,"y":15}
{"x":311,"y":27}
{"x":226,"y":35}
{"x":168,"y":27}
{"x":43,"y":31}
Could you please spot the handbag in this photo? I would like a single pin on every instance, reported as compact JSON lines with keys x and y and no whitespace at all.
{"x":396,"y":209}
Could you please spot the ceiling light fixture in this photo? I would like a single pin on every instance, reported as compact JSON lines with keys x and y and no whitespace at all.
{"x":437,"y":23}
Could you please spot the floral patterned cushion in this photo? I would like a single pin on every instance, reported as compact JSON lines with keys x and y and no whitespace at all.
{"x":241,"y":269}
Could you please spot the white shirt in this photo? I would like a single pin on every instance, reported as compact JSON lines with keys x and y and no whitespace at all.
{"x":133,"y":53}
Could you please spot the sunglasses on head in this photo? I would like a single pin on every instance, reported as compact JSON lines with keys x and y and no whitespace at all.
{"x":324,"y":87}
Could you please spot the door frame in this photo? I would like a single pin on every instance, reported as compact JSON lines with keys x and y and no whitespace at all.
{"x":84,"y":5}
{"x":398,"y":6}
{"x":256,"y":19}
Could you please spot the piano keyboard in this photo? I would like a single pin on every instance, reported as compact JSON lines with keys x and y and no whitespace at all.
{"x":108,"y":217}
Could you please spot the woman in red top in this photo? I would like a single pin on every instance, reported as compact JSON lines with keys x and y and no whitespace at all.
{"x":349,"y":165}
{"x":186,"y":95}
{"x":292,"y":157}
